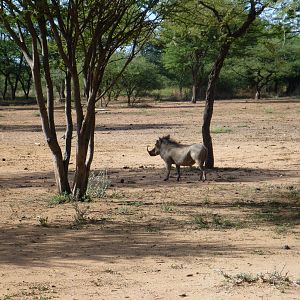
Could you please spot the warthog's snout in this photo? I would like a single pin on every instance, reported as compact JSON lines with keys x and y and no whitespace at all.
{"x":151,"y":152}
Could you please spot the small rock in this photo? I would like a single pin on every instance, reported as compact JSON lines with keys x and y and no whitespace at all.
{"x":286,"y":247}
{"x":3,"y":159}
{"x":122,"y":180}
{"x":183,"y":295}
{"x":26,"y":169}
{"x":125,"y":167}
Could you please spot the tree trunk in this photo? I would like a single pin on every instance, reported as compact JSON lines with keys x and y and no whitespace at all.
{"x":5,"y":88}
{"x":195,"y":92}
{"x":180,"y":92}
{"x":209,"y":103}
{"x":258,"y":93}
{"x":197,"y":73}
{"x":85,"y":151}
{"x":61,"y":176}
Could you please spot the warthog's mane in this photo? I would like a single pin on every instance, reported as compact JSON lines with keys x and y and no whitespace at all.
{"x":167,"y":140}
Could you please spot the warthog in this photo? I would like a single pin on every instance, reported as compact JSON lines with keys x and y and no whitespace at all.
{"x":180,"y":155}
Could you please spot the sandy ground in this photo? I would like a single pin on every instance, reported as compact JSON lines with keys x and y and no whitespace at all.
{"x":150,"y":239}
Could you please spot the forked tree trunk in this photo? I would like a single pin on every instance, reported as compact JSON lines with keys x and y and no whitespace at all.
{"x":47,"y":113}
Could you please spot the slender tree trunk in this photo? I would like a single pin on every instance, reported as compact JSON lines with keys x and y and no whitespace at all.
{"x":197,"y":73}
{"x":5,"y":88}
{"x":47,"y":113}
{"x":180,"y":92}
{"x":209,"y":103}
{"x":128,"y":99}
{"x":257,"y":93}
{"x":84,"y":153}
{"x":195,"y":91}
{"x":69,"y":122}
{"x":194,"y":99}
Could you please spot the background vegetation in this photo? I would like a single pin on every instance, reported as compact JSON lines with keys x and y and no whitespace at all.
{"x":175,"y":63}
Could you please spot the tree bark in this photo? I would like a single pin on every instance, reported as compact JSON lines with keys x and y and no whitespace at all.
{"x":257,"y":94}
{"x":229,"y":38}
{"x":195,"y":91}
{"x":84,"y":153}
{"x":209,"y":103}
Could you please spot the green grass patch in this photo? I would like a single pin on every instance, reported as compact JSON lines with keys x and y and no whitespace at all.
{"x":123,"y":210}
{"x":168,"y":207}
{"x":61,"y":198}
{"x":269,"y":110}
{"x":218,"y":130}
{"x":43,"y":221}
{"x":215,"y":221}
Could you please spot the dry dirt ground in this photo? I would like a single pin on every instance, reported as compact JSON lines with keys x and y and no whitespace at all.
{"x":235,"y":236}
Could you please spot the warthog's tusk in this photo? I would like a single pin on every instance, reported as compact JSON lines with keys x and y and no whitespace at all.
{"x":150,"y":152}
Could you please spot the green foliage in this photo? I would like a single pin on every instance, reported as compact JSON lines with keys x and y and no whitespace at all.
{"x":168,"y":207}
{"x":139,"y":78}
{"x":60,"y":199}
{"x":43,"y":221}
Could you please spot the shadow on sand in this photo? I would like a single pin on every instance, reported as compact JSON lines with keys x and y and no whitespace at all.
{"x":115,"y":239}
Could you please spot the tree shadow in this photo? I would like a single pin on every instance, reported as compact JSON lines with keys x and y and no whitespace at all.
{"x":116,"y":239}
{"x":111,"y":241}
{"x":144,"y":176}
{"x":99,"y":128}
{"x":143,"y":126}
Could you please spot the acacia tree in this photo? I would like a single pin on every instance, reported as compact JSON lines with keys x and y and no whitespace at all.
{"x":232,"y":19}
{"x":188,"y":45}
{"x":140,"y":77}
{"x":86,"y":33}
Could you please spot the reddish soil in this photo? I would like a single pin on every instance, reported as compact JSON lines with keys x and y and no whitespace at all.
{"x":150,"y":239}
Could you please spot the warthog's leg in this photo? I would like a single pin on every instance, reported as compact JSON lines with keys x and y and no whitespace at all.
{"x":200,"y":163}
{"x":203,"y":175}
{"x":178,"y":172}
{"x":168,"y":167}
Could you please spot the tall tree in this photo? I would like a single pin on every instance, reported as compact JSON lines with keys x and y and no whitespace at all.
{"x":187,"y":45}
{"x":87,"y":33}
{"x":140,"y":77}
{"x":232,"y":19}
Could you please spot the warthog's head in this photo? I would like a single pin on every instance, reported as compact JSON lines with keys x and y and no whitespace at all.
{"x":156,"y":150}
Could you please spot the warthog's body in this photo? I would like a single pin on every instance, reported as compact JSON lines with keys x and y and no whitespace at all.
{"x":180,"y":155}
